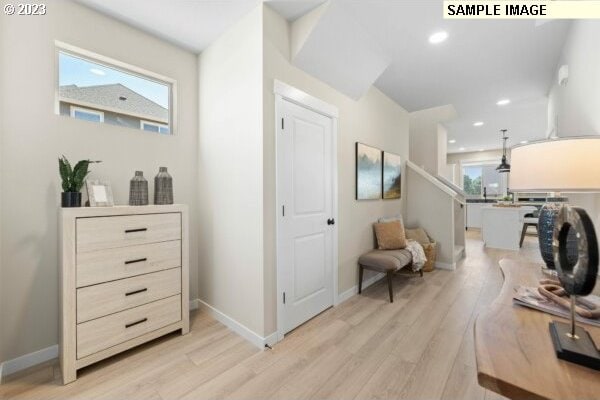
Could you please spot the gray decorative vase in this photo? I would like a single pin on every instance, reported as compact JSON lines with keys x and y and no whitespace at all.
{"x":138,"y":190}
{"x":163,"y":187}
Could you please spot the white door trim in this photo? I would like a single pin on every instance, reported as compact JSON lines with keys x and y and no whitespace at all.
{"x":283,"y":92}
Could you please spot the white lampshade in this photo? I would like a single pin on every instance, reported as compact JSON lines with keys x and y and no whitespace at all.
{"x":563,"y":165}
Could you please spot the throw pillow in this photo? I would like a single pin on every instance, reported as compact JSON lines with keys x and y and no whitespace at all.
{"x":390,"y":235}
{"x":419,"y":235}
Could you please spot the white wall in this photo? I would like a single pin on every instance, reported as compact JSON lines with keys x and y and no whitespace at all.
{"x":374,"y":119}
{"x":33,"y":137}
{"x":441,"y":150}
{"x":575,"y":106}
{"x":3,"y":81}
{"x":424,"y":143}
{"x":428,"y":138}
{"x":428,"y":207}
{"x":231,"y":173}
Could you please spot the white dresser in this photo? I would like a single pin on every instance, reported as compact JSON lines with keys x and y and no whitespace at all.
{"x":124,"y":280}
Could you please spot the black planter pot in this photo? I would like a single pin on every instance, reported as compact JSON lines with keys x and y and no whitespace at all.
{"x":70,"y":199}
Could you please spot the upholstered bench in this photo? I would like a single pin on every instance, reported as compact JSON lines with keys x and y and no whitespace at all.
{"x":386,"y":261}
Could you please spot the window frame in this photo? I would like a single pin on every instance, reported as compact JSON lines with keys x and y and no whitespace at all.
{"x":108,"y":62}
{"x":157,"y":124}
{"x":74,"y":108}
{"x":503,"y":181}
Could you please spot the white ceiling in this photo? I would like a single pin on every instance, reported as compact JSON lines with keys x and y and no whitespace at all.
{"x":340,"y":52}
{"x":481,"y":62}
{"x":293,"y":9}
{"x":191,"y":24}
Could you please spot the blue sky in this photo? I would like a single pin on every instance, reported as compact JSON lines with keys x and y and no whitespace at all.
{"x":472,"y":172}
{"x":76,"y":71}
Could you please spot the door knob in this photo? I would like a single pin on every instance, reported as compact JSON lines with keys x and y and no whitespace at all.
{"x":331,"y":221}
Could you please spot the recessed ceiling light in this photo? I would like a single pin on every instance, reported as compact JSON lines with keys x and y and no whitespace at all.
{"x":438,"y":37}
{"x":478,"y":123}
{"x":503,"y":102}
{"x":452,"y":141}
{"x":462,"y":149}
{"x":524,"y":142}
{"x":97,"y":71}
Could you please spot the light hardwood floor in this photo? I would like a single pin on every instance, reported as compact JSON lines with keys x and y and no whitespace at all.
{"x":419,"y":347}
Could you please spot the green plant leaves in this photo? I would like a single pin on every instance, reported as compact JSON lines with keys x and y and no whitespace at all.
{"x":73,"y":178}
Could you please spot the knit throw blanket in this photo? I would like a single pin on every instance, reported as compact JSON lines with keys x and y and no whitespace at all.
{"x":418,"y":255}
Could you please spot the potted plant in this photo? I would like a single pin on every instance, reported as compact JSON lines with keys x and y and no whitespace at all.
{"x":72,"y":180}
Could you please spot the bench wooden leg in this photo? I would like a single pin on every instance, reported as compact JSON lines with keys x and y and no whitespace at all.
{"x":360,"y":277}
{"x":421,"y":272}
{"x":390,"y":276}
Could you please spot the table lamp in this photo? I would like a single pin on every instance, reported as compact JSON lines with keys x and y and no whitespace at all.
{"x":568,"y":165}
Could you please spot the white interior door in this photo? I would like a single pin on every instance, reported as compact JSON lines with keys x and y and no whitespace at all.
{"x":306,"y":222}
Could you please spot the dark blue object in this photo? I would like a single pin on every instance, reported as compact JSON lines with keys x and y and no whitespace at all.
{"x":70,"y":199}
{"x":546,"y":220}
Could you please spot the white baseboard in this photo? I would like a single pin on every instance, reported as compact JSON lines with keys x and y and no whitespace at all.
{"x":194,"y":304}
{"x":447,"y":266}
{"x":28,"y":360}
{"x":354,"y":289}
{"x":37,"y":357}
{"x":238,"y":327}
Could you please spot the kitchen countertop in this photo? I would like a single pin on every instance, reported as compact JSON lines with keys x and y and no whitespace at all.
{"x":481,"y":201}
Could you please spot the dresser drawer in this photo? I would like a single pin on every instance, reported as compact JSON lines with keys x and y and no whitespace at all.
{"x":108,"y":298}
{"x":126,"y":230}
{"x":102,"y":333}
{"x":112,"y":264}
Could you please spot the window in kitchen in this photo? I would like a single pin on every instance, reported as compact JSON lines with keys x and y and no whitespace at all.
{"x":480,"y":177}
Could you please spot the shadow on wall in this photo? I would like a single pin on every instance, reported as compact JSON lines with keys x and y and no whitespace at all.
{"x":41,"y":250}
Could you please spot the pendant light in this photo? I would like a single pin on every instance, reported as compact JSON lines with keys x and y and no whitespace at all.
{"x":504,"y":166}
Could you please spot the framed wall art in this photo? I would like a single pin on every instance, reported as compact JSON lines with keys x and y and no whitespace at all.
{"x":392,"y":176}
{"x":368,"y":172}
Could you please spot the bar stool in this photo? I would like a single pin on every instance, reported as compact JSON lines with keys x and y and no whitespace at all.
{"x":529,"y":220}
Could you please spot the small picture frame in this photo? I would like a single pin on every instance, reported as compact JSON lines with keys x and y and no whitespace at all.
{"x":99,"y":193}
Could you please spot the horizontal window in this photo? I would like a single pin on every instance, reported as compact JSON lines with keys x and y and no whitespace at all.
{"x":87,"y":114}
{"x":97,"y":89}
{"x":154,"y":127}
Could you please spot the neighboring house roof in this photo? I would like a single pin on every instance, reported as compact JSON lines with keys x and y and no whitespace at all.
{"x":116,"y":98}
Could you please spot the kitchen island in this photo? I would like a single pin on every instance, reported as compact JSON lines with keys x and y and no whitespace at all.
{"x":501,"y":225}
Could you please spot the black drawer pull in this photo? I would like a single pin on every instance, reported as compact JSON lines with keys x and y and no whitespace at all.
{"x":136,"y":323}
{"x":136,"y":261}
{"x":136,"y":230}
{"x":136,"y":291}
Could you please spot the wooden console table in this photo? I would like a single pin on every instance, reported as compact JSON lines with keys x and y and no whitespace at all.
{"x":514,"y":352}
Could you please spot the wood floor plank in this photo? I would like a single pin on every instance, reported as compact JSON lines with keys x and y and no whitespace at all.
{"x":419,"y":347}
{"x":388,"y":381}
{"x":462,"y":384}
{"x":190,"y":379}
